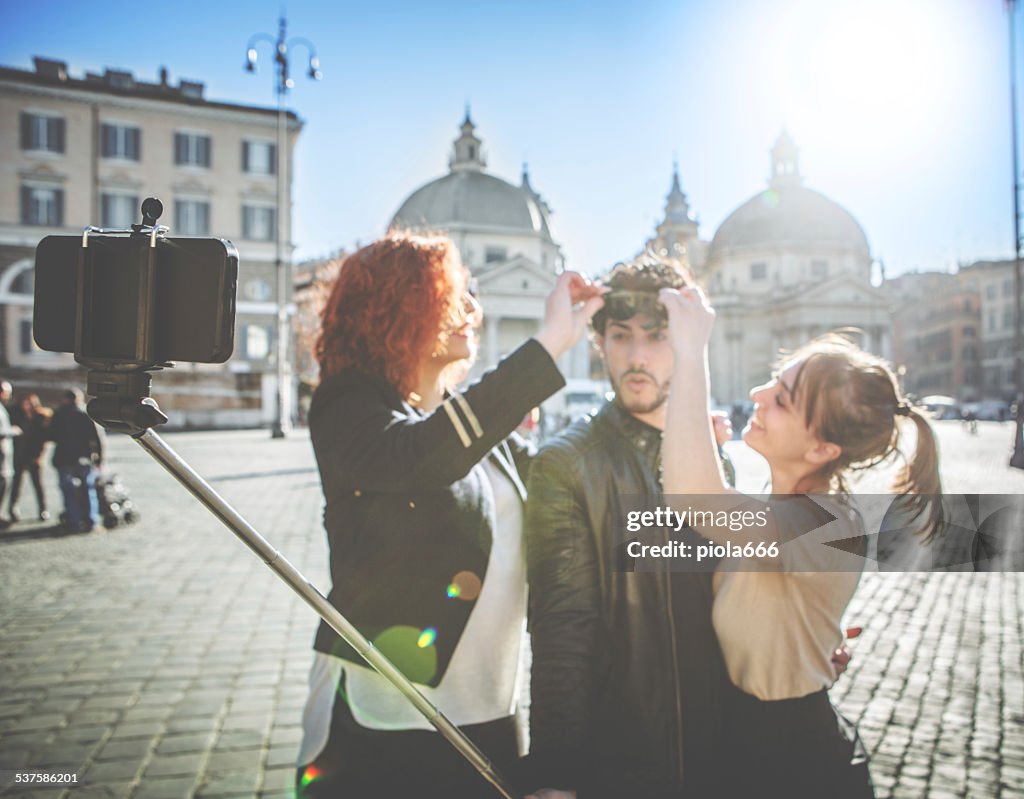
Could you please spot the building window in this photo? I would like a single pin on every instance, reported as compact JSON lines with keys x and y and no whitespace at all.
{"x":819,"y":269}
{"x":990,"y":291}
{"x":42,"y":206}
{"x":494,"y":255}
{"x":191,"y":149}
{"x":119,"y":210}
{"x":25,"y":330}
{"x":255,"y":342}
{"x":1008,"y":317}
{"x":192,"y":217}
{"x":258,"y":290}
{"x":1008,"y":287}
{"x":758,"y":271}
{"x":259,"y":158}
{"x":120,"y":141}
{"x":42,"y":132}
{"x":258,"y":223}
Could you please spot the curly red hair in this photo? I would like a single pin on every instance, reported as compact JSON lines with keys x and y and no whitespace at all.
{"x":389,"y":304}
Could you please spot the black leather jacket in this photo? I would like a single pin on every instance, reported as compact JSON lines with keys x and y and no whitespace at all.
{"x":627,"y":676}
{"x":408,"y":506}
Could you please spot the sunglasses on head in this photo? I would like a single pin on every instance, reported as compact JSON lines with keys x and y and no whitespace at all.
{"x":623,"y":305}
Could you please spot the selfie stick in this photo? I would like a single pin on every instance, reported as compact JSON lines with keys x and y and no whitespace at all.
{"x":122,"y":404}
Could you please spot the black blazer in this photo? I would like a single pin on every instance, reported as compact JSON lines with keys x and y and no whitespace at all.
{"x":409,"y":510}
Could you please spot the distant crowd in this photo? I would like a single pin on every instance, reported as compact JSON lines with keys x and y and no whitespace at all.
{"x":26,"y":427}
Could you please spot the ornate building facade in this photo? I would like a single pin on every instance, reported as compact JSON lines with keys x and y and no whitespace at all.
{"x":787,"y":265}
{"x":503,"y":233}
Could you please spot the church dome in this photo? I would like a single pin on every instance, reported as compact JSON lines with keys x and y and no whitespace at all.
{"x":789,"y":214}
{"x":467,"y":196}
{"x":472,"y":198}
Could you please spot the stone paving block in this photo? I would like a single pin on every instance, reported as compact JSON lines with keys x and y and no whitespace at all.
{"x":183,"y":743}
{"x":239,"y":739}
{"x":153,"y":712}
{"x":124,"y":749}
{"x":177,"y":765}
{"x":114,"y":770}
{"x":234,"y":783}
{"x":45,"y":721}
{"x":138,"y":729}
{"x":282,"y":756}
{"x":110,"y":790}
{"x":278,"y":779}
{"x":190,"y":724}
{"x":223,"y":760}
{"x":165,"y":788}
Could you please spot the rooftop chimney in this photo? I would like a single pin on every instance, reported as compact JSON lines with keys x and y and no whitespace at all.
{"x":49,"y":68}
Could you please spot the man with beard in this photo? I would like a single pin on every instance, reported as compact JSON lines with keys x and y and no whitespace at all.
{"x":627,"y":674}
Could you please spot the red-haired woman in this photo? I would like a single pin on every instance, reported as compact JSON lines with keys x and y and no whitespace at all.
{"x":424,"y":490}
{"x":778,"y":606}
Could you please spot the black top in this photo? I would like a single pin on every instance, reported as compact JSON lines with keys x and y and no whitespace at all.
{"x":409,"y":511}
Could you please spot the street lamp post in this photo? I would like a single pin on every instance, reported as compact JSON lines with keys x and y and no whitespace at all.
{"x":1017,"y":459}
{"x":282,"y":259}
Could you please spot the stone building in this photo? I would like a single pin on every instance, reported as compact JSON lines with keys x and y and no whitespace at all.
{"x":937,"y":344}
{"x":87,"y":151}
{"x":503,"y":233}
{"x":993,"y":283}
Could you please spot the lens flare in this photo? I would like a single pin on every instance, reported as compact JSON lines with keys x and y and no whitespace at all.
{"x":465,"y":585}
{"x":410,"y":649}
{"x":310,"y":774}
{"x":770,"y":198}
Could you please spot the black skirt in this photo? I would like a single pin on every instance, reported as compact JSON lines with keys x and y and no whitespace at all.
{"x":794,"y":749}
{"x":359,"y":762}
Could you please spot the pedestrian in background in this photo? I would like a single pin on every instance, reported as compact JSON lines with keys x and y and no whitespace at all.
{"x":7,"y":434}
{"x":34,"y":420}
{"x":76,"y":456}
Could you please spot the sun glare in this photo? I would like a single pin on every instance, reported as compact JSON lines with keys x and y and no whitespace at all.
{"x":869,"y":78}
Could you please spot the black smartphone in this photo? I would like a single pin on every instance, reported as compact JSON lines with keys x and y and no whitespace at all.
{"x":135,"y":300}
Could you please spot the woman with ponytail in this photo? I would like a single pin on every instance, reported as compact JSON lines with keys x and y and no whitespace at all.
{"x":829,"y":409}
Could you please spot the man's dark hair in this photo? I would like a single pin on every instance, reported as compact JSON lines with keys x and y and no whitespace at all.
{"x":646,"y":274}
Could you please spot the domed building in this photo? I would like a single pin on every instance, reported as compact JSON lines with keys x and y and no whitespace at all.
{"x":786,"y":266}
{"x":503,"y":233}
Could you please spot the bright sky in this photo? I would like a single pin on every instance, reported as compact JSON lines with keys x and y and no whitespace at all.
{"x":900,"y":107}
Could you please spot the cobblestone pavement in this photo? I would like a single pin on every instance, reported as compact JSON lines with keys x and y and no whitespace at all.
{"x":165,"y":660}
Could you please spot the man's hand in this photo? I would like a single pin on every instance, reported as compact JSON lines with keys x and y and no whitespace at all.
{"x":552,"y":793}
{"x":567,"y":309}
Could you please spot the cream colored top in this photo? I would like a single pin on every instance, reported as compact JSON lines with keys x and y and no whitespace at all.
{"x":778,"y":628}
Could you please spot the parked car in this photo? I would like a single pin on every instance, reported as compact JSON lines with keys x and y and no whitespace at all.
{"x":941,"y":406}
{"x":989,"y":410}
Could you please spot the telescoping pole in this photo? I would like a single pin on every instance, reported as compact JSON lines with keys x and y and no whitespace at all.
{"x":202,"y":490}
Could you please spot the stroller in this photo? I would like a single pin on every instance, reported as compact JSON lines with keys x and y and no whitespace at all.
{"x":116,"y":507}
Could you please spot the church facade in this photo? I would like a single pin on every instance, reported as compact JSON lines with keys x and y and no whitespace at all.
{"x":503,"y":233}
{"x":787,"y":265}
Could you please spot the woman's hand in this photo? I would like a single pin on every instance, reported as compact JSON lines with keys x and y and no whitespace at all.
{"x":568,"y":308}
{"x":690,"y":319}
